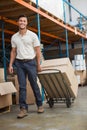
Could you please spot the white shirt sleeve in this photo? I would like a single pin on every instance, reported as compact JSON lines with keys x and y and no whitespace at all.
{"x":36,"y":41}
{"x":13,"y":44}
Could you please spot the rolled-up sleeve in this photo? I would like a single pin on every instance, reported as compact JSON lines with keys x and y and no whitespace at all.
{"x":36,"y":41}
{"x":13,"y":44}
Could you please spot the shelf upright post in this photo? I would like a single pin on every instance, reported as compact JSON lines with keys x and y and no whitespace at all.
{"x":80,"y":22}
{"x":3,"y":49}
{"x":66,"y":31}
{"x":83,"y":52}
{"x":38,"y":21}
{"x":39,"y":36}
{"x":60,"y":49}
{"x":82,"y":39}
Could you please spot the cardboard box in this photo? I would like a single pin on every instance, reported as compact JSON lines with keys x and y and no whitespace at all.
{"x":11,"y":78}
{"x":6,"y":90}
{"x":83,"y":76}
{"x":1,"y":75}
{"x":64,"y":65}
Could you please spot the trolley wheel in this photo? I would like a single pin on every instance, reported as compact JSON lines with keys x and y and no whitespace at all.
{"x":51,"y":103}
{"x":68,"y":103}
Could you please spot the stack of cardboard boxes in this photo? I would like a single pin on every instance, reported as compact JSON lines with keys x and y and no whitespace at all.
{"x":79,"y":66}
{"x":6,"y":90}
{"x":12,"y":86}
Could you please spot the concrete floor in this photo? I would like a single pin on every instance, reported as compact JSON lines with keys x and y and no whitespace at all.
{"x":57,"y":118}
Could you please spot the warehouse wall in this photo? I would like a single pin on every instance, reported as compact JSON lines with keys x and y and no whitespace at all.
{"x":80,"y":5}
{"x":53,"y":6}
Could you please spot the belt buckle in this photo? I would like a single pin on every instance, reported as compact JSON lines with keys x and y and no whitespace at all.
{"x":25,"y":60}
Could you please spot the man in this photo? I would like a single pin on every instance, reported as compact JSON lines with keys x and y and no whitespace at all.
{"x":26,"y":54}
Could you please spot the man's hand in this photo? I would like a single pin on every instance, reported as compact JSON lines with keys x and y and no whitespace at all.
{"x":10,"y":69}
{"x":39,"y":69}
{"x":12,"y":58}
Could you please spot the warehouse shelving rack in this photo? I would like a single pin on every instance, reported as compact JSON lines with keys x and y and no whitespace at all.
{"x":47,"y":26}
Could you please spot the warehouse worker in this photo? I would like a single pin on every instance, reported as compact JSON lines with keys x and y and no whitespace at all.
{"x":26,"y":54}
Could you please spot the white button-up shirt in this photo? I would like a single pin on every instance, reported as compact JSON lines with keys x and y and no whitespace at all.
{"x":25,"y":44}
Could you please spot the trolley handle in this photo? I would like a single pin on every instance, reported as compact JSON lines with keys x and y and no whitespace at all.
{"x":51,"y":70}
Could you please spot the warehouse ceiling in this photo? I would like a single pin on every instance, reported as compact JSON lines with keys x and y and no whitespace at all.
{"x":51,"y":28}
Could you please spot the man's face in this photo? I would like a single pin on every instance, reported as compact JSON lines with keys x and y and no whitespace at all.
{"x":22,"y":22}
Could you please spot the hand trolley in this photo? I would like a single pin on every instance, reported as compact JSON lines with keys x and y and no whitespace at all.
{"x":56,"y":87}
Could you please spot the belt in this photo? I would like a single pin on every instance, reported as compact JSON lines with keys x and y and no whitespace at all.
{"x":25,"y":60}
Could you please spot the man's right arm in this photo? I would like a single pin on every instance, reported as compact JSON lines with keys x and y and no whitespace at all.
{"x":12,"y":58}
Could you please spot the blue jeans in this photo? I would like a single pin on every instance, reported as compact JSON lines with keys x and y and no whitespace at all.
{"x":24,"y":69}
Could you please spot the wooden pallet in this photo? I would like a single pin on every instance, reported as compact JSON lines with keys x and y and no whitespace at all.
{"x":5,"y":109}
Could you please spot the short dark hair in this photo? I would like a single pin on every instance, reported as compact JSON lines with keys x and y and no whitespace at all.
{"x":22,"y":15}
